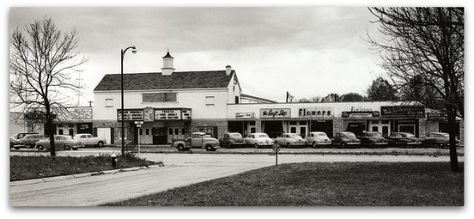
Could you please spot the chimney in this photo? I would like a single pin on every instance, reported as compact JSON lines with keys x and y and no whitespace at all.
{"x":228,"y":69}
{"x":168,"y":68}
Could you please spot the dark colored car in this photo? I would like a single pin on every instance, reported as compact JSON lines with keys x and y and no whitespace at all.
{"x":372,"y":139}
{"x":345,"y":139}
{"x":29,"y":141}
{"x":15,"y":139}
{"x":231,"y":139}
{"x":403,"y":139}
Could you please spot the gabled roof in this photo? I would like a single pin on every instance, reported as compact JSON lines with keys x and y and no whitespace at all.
{"x":168,"y":55}
{"x":155,"y":80}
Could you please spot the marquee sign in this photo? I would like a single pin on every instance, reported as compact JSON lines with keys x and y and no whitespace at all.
{"x":186,"y":114}
{"x":247,"y":115}
{"x":319,"y":112}
{"x":270,"y":113}
{"x":167,"y":114}
{"x":130,"y":114}
{"x":435,"y":115}
{"x":148,"y":114}
{"x":410,"y":111}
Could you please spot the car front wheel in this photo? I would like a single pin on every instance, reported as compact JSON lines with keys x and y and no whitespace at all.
{"x":100,"y":144}
{"x":40,"y":147}
{"x":255,"y":145}
{"x":180,"y":147}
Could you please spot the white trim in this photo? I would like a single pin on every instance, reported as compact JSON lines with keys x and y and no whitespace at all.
{"x":165,"y":90}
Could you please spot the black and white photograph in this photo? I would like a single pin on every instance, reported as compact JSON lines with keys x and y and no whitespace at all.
{"x":307,"y":106}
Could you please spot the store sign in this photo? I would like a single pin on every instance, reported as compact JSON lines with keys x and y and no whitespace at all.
{"x":275,"y":113}
{"x":435,"y":115}
{"x":411,"y":111}
{"x":186,"y":113}
{"x":359,"y":114}
{"x":148,"y":114}
{"x":319,"y":112}
{"x":167,"y":114}
{"x":249,"y":115}
{"x":130,"y":114}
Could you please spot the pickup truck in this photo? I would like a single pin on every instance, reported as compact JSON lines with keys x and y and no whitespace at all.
{"x":197,"y":140}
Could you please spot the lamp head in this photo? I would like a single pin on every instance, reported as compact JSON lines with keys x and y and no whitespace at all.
{"x":134,"y":49}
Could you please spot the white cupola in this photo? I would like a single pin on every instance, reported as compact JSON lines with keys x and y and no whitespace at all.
{"x":168,"y":68}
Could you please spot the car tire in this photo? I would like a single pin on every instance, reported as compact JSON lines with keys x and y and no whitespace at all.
{"x":100,"y":144}
{"x":208,"y":148}
{"x":288,"y":145}
{"x":180,"y":147}
{"x":67,"y":148}
{"x":40,"y":147}
{"x":74,"y":149}
{"x":255,"y":145}
{"x":314,"y":144}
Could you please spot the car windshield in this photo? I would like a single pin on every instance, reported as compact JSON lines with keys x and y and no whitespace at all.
{"x":235,"y":135}
{"x":295,"y":136}
{"x":207,"y":136}
{"x":263,"y":136}
{"x":374,"y":134}
{"x":322,"y":135}
{"x":350,"y":135}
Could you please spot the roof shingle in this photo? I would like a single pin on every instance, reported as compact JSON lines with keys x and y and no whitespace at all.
{"x":155,"y":80}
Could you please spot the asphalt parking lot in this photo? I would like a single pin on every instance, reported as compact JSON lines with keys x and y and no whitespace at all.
{"x":250,"y":150}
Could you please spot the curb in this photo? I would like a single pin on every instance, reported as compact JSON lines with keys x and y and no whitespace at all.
{"x":79,"y":175}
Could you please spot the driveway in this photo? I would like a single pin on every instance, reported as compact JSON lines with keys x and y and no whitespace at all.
{"x":180,"y":170}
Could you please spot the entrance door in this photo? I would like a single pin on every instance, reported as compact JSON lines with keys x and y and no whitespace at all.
{"x":146,"y":137}
{"x":159,"y":136}
{"x":303,"y":131}
{"x":175,"y":133}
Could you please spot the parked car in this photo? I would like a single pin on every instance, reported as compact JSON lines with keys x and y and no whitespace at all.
{"x":290,"y":140}
{"x":345,"y":138}
{"x":372,"y":139}
{"x":61,"y":142}
{"x":197,"y":140}
{"x":403,"y":139}
{"x":437,"y":139}
{"x":15,"y":139}
{"x":29,"y":141}
{"x":258,"y":139}
{"x":89,"y":140}
{"x":231,"y":139}
{"x":318,"y":138}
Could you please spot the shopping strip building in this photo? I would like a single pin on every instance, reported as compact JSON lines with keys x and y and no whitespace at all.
{"x":173,"y":104}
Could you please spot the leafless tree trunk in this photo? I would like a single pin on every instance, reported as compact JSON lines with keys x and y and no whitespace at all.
{"x":423,"y":51}
{"x":42,"y":61}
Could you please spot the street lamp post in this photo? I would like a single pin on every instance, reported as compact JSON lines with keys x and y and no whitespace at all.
{"x":122,"y":54}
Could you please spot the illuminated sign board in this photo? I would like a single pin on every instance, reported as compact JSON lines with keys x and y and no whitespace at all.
{"x":130,"y":114}
{"x":167,"y":114}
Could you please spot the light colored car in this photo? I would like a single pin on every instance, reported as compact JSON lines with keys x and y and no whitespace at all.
{"x":15,"y":139}
{"x":89,"y":140}
{"x":259,"y":139}
{"x":290,"y":140}
{"x":437,"y":139}
{"x":197,"y":140}
{"x":61,"y":142}
{"x":318,"y":138}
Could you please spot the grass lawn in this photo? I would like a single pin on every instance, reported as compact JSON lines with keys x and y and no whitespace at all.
{"x":322,"y":184}
{"x":32,"y":167}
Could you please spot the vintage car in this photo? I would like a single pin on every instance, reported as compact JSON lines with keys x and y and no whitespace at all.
{"x":403,"y":139}
{"x":29,"y":141}
{"x":89,"y":140}
{"x":372,"y":139}
{"x":231,"y":139}
{"x":258,"y":140}
{"x":318,"y":138}
{"x":61,"y":142}
{"x":345,"y":139}
{"x":15,"y":139}
{"x":290,"y":140}
{"x":197,"y":140}
{"x":437,"y":139}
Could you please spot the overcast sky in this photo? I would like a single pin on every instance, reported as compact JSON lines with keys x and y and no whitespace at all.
{"x":306,"y":51}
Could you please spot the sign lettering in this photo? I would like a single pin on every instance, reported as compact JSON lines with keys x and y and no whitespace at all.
{"x":275,"y":113}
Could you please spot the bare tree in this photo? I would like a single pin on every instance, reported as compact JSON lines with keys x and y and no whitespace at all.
{"x":423,"y":52}
{"x":42,"y":61}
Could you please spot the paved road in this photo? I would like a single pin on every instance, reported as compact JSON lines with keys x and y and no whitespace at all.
{"x":180,"y":170}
